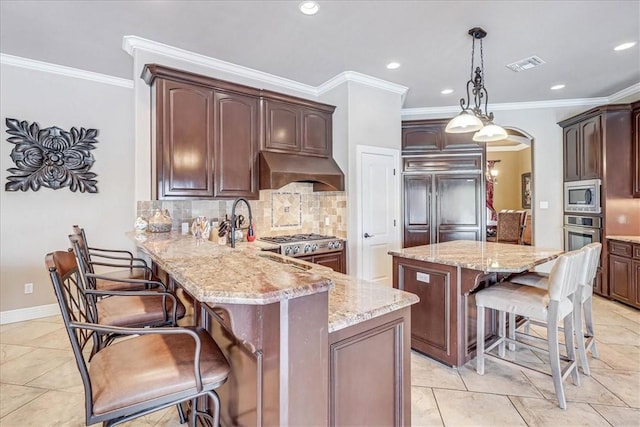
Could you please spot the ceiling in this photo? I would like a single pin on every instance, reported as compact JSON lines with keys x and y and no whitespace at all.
{"x":428,"y":38}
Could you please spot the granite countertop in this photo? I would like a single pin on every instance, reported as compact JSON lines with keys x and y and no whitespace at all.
{"x":199,"y":267}
{"x":482,"y":256}
{"x":630,"y":239}
{"x":220,"y":274}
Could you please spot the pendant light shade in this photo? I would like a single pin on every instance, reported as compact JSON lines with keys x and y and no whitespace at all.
{"x":463,"y":123}
{"x":473,"y":117}
{"x":490,"y":133}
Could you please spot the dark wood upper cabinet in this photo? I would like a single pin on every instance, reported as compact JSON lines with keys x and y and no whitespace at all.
{"x":423,"y":136}
{"x":635,"y":170}
{"x":282,"y":126}
{"x":208,"y":133}
{"x":184,"y":140}
{"x":297,"y":126}
{"x":236,"y":145}
{"x":591,"y":149}
{"x":571,"y":150}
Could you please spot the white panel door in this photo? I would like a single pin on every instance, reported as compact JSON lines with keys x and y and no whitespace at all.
{"x":378,"y":213}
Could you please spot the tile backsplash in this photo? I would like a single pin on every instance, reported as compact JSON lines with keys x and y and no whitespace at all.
{"x":292,"y":209}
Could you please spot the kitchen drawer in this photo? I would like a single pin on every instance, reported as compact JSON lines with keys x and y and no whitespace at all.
{"x":636,"y":251}
{"x":620,"y":248}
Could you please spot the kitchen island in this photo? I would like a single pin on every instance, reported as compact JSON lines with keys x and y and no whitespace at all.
{"x":306,"y":345}
{"x":445,"y":277}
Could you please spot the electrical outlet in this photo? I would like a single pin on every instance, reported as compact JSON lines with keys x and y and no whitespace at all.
{"x":28,"y":288}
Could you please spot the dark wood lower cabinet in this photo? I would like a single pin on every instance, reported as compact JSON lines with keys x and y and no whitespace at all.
{"x":370,"y":372}
{"x":335,"y":260}
{"x":624,"y":272}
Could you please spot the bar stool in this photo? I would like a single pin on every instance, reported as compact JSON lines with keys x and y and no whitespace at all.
{"x":127,"y":266}
{"x":550,"y":306}
{"x":582,"y":303}
{"x":153,"y":369}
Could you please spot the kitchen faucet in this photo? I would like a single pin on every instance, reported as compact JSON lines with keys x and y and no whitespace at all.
{"x":233,"y":219}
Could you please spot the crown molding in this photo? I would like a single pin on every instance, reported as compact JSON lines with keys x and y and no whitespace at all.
{"x":631,"y":90}
{"x":559,"y":103}
{"x":354,"y":76}
{"x":62,"y":70}
{"x":131,"y":43}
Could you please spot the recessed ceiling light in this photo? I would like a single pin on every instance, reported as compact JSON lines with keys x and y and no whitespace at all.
{"x":446,"y":91}
{"x":308,"y":7}
{"x":393,"y":65}
{"x":557,"y":87}
{"x":624,"y":46}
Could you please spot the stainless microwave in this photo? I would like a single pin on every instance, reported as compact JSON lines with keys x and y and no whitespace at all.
{"x":582,"y":196}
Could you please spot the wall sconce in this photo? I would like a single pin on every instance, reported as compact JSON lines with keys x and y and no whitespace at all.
{"x":492,"y":173}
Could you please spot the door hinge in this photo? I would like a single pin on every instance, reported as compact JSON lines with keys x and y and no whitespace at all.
{"x":394,"y":222}
{"x":394,"y":171}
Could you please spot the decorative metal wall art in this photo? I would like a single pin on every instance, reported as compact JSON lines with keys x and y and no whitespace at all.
{"x":51,"y":157}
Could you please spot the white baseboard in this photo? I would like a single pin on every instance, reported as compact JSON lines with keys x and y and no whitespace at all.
{"x":30,"y":313}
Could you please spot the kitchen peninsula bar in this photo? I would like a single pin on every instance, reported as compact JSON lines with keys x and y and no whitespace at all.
{"x":445,"y":277}
{"x":306,"y":345}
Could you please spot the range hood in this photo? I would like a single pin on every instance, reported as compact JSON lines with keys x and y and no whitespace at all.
{"x":280,"y":169}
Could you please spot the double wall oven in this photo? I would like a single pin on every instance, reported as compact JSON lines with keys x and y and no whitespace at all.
{"x":319,"y":249}
{"x":581,"y":230}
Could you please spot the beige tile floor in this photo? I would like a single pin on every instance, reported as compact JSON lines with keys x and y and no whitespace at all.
{"x":40,"y":384}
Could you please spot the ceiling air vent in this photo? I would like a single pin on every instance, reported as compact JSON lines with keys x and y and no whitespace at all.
{"x":525,"y":64}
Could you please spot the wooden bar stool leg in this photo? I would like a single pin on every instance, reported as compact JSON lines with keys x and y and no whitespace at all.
{"x":554,"y":354}
{"x":512,"y":331}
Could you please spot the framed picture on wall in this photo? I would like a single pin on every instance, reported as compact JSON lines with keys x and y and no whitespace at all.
{"x":526,"y":190}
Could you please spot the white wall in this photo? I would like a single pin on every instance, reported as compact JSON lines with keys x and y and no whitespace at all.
{"x":374,"y":120}
{"x":35,"y":223}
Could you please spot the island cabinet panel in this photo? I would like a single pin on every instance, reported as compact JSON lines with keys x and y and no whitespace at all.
{"x":297,"y":126}
{"x":430,"y":317}
{"x":236,"y":144}
{"x":370,"y":372}
{"x":443,"y":322}
{"x":185,"y":144}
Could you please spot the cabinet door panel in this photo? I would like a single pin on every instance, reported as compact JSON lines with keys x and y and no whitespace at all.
{"x":429,"y":317}
{"x":422,"y":138}
{"x":635,"y":281}
{"x":591,"y":150}
{"x":316,"y":132}
{"x":185,"y":140}
{"x":332,"y":260}
{"x":620,"y":275}
{"x":417,"y":210}
{"x":458,"y":201}
{"x":460,"y":141}
{"x":236,"y":136}
{"x":571,"y":153}
{"x":282,"y":126}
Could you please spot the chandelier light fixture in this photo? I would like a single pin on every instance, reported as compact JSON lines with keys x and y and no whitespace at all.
{"x":473,"y":118}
